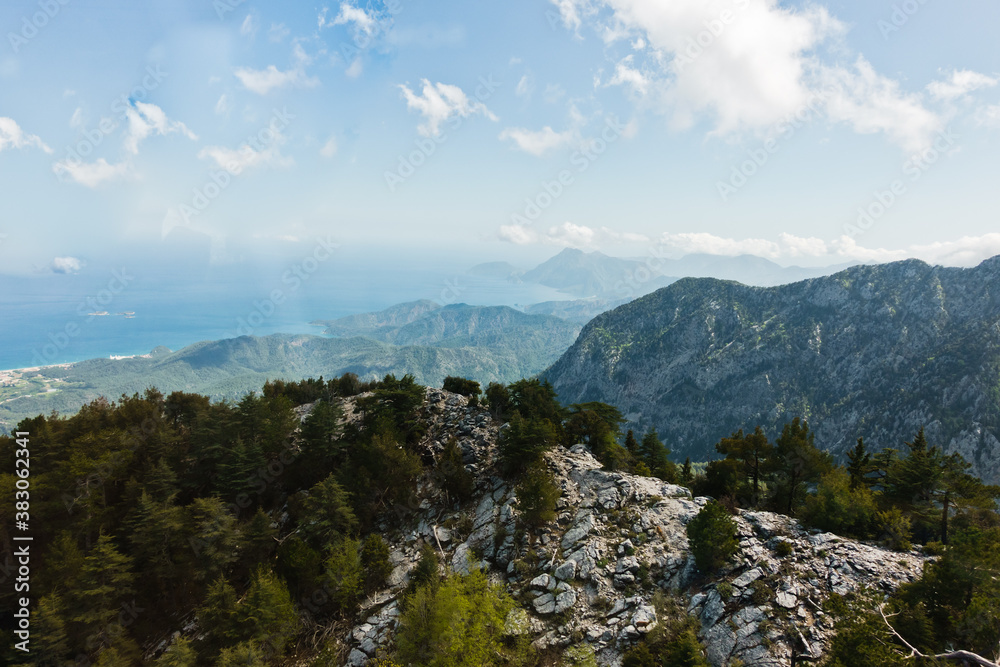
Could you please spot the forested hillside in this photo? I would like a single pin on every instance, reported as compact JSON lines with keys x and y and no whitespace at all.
{"x":340,"y":522}
{"x":874,"y":351}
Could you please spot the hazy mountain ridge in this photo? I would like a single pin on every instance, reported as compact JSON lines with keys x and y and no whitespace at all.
{"x":873,"y":351}
{"x":233,"y":367}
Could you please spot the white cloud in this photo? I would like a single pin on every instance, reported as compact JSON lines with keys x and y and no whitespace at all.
{"x":91,"y":174}
{"x":966,"y":251}
{"x":872,"y":103}
{"x":567,"y":234}
{"x":989,"y":116}
{"x":66,"y":265}
{"x":355,"y":69}
{"x":244,"y":157}
{"x":278,"y":32}
{"x":145,"y":119}
{"x":249,"y":26}
{"x":710,"y":244}
{"x":960,"y":84}
{"x":329,"y":148}
{"x":263,"y":81}
{"x":12,"y":136}
{"x":440,"y":102}
{"x":626,"y":74}
{"x":746,"y":65}
{"x":78,"y":118}
{"x":538,"y":142}
{"x":222,"y":106}
{"x":364,"y":21}
{"x":569,"y":11}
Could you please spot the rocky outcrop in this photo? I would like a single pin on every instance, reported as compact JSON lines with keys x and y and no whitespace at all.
{"x":874,"y":352}
{"x":618,"y":539}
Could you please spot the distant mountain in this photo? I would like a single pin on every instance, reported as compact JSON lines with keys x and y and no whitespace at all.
{"x":747,"y":269}
{"x":431,"y":342}
{"x":582,"y":273}
{"x":364,"y":324}
{"x":596,"y":275}
{"x":873,"y":351}
{"x":575,"y":310}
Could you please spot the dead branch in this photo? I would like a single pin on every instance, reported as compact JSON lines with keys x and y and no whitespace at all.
{"x":965,"y":656}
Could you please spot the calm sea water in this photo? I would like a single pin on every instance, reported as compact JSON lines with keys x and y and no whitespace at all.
{"x":45,"y":319}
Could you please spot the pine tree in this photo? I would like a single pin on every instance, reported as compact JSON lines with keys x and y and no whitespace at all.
{"x":631,"y":444}
{"x":327,"y":513}
{"x":687,"y":472}
{"x":49,"y":644}
{"x":656,"y":456}
{"x":859,"y":464}
{"x":795,"y":461}
{"x":179,"y":654}
{"x":106,"y":581}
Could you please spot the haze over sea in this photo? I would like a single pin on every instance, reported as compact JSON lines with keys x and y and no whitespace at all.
{"x":175,"y":311}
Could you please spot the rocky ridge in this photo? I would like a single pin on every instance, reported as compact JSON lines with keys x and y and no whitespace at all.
{"x":618,"y":539}
{"x":873,"y":351}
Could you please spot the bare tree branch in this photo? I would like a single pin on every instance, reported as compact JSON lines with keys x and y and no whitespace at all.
{"x":966,"y":656}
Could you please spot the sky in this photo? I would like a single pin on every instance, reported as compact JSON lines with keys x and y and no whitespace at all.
{"x":229,"y":132}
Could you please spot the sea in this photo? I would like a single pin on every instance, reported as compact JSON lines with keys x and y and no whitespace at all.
{"x":49,"y":319}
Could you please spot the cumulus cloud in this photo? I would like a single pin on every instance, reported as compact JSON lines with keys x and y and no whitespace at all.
{"x":626,"y":75}
{"x":265,"y":80}
{"x":91,"y":174}
{"x":567,"y":234}
{"x":66,"y":265}
{"x":12,"y":136}
{"x":960,"y":84}
{"x":350,"y":15}
{"x":570,"y":12}
{"x":440,"y":102}
{"x":872,"y":103}
{"x":145,"y":119}
{"x":966,"y":251}
{"x":747,"y":65}
{"x":539,"y":142}
{"x":236,"y":160}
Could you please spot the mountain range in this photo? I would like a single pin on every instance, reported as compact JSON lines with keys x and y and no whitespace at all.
{"x":421,"y":338}
{"x":873,"y":351}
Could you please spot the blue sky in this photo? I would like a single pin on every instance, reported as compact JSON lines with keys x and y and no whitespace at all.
{"x":415,"y":129}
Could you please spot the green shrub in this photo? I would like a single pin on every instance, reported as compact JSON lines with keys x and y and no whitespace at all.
{"x":459,"y":623}
{"x":712,"y":536}
{"x":537,"y":494}
{"x":376,"y":563}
